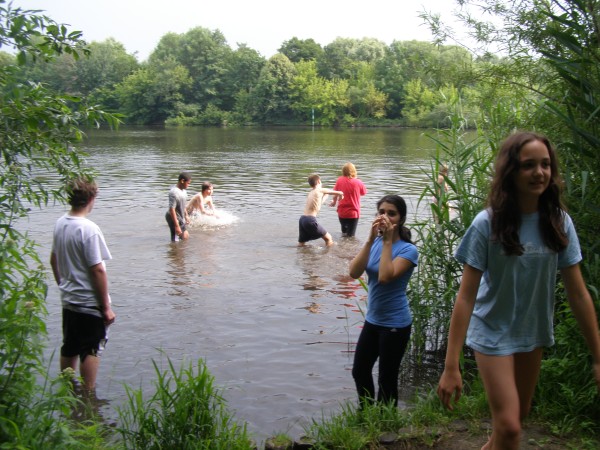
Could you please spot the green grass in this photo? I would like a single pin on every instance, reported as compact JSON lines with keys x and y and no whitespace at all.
{"x":185,"y":412}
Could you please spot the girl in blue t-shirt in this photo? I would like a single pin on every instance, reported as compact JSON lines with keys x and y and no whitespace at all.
{"x":389,"y":258}
{"x":504,"y":307}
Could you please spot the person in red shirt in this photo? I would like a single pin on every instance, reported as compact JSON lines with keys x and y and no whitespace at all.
{"x":348,"y":208}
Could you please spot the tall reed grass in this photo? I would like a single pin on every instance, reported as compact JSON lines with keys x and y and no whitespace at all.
{"x":453,"y":203}
{"x":185,"y":412}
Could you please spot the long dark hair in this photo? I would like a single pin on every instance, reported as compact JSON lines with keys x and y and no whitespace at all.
{"x":400,"y":205}
{"x":503,"y":197}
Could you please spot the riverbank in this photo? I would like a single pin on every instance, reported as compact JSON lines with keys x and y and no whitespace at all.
{"x":458,"y":435}
{"x":461,"y":435}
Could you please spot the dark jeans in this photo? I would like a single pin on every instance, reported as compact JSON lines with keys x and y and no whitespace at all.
{"x":387,"y":344}
{"x":349,"y":226}
{"x":172,"y":225}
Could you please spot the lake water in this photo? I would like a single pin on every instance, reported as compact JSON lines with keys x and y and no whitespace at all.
{"x":276,"y":324}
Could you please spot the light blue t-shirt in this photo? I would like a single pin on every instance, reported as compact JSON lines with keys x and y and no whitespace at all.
{"x":515,"y":302}
{"x":387,"y":302}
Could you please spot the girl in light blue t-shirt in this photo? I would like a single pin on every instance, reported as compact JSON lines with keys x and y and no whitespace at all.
{"x":504,"y":308}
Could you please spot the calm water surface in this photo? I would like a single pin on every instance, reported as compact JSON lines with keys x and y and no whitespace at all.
{"x":275,"y":324}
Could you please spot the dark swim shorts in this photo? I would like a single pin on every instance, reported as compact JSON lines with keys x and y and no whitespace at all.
{"x":310,"y":229}
{"x":83,"y":335}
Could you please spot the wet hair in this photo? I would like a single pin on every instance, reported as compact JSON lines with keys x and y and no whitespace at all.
{"x":348,"y":170}
{"x":313,"y":179}
{"x":503,"y":197}
{"x":185,"y":176}
{"x":400,"y":205}
{"x":206,"y":186}
{"x":81,"y":191}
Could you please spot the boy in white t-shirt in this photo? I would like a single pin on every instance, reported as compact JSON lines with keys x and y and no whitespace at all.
{"x":77,"y":260}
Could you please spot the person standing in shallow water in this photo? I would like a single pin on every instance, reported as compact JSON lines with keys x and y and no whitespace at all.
{"x":348,"y":208}
{"x":505,"y":304}
{"x":389,"y":258}
{"x":309,"y":228}
{"x":77,"y":260}
{"x":177,"y":216}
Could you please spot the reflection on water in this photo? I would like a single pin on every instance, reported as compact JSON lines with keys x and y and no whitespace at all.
{"x":276,"y":324}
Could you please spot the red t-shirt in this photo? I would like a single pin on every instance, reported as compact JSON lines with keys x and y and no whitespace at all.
{"x":353,"y":189}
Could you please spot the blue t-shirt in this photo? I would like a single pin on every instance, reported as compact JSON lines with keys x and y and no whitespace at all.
{"x":515,"y":302}
{"x":387,"y":303}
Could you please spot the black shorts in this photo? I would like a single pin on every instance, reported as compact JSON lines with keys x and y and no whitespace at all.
{"x":310,"y":229}
{"x":83,"y":335}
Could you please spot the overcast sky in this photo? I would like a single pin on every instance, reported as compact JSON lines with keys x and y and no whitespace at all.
{"x":261,"y":24}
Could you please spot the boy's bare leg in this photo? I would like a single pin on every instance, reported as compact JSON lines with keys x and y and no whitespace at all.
{"x":89,"y":371}
{"x":328,"y":239}
{"x":68,"y":361}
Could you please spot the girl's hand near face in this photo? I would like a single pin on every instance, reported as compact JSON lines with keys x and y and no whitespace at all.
{"x":374,"y":231}
{"x":385,"y":228}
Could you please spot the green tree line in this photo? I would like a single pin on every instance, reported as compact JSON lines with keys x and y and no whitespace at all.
{"x":196,"y":78}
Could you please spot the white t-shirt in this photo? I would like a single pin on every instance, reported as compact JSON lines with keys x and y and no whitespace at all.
{"x":514,"y":308}
{"x":78,"y":245}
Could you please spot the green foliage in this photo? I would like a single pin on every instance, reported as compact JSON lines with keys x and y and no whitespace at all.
{"x":204,"y":54}
{"x":454,"y":203}
{"x":241,"y":74}
{"x":568,"y":395}
{"x":189,"y":115}
{"x":419,"y":101}
{"x":150,"y":95}
{"x":37,"y":132}
{"x":359,"y":81}
{"x":354,"y":428}
{"x":342,"y":58}
{"x":105,"y":65}
{"x":313,"y":94}
{"x":301,"y":50}
{"x":185,"y":412}
{"x":271,"y":97}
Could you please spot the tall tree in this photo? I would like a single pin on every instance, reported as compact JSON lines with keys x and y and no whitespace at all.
{"x":301,"y":50}
{"x":271,"y":97}
{"x":153,"y":93}
{"x":243,"y":70}
{"x":108,"y":64}
{"x":204,"y":54}
{"x":341,"y":57}
{"x":314,"y":96}
{"x":366,"y":101}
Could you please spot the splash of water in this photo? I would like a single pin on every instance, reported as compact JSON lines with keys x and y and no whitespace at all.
{"x":220,"y":219}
